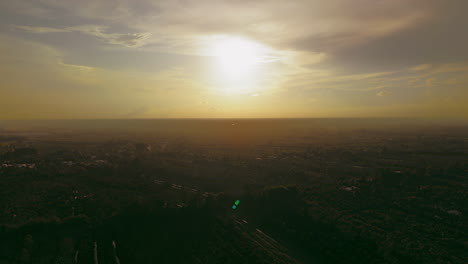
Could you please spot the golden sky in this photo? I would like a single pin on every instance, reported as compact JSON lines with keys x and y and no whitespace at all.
{"x":221,"y":59}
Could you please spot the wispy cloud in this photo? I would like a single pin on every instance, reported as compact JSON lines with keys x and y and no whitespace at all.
{"x":384,"y":93}
{"x":102,"y":32}
{"x":326,"y":50}
{"x":40,"y":29}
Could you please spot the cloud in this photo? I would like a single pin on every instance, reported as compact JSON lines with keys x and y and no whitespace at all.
{"x":40,"y":29}
{"x":421,"y":67}
{"x":130,"y":40}
{"x":101,"y":32}
{"x":436,"y":40}
{"x":358,"y":35}
{"x":340,"y":48}
{"x":58,"y":89}
{"x":137,"y":112}
{"x":384,"y":93}
{"x":316,"y":24}
{"x":124,"y":39}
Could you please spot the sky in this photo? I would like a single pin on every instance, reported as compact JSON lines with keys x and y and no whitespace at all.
{"x":68,"y":59}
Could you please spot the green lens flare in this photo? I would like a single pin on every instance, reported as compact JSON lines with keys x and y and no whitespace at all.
{"x":236,"y":203}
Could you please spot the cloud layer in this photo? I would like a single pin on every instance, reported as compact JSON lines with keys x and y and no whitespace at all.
{"x":101,"y":32}
{"x":340,"y":53}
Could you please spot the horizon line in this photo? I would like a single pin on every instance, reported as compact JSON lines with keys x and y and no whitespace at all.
{"x":232,"y":118}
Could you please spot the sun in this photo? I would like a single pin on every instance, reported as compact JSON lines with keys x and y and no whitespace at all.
{"x":236,"y":57}
{"x":240,"y":66}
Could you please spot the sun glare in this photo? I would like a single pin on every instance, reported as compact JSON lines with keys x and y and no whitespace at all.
{"x":237,"y":58}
